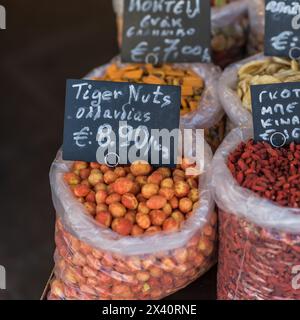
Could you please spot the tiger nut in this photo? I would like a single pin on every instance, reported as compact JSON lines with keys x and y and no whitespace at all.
{"x":104,"y":218}
{"x":143,"y":221}
{"x":149,"y":190}
{"x":185,"y":205}
{"x":181,"y":189}
{"x":122,"y":226}
{"x":157,"y":217}
{"x":140,"y":168}
{"x":117,"y":210}
{"x":155,"y":178}
{"x":170,"y":224}
{"x":156,"y":202}
{"x":129,"y":201}
{"x":101,"y":196}
{"x":122,"y":185}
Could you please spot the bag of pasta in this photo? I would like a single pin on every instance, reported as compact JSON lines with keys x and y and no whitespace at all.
{"x":236,"y":80}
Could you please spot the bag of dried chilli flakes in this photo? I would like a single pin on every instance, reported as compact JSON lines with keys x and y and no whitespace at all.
{"x":156,"y":235}
{"x":257,"y":191}
{"x":236,"y":80}
{"x":200,"y":105}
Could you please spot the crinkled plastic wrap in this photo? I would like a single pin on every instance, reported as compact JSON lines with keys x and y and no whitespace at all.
{"x":229,"y":30}
{"x":209,"y":115}
{"x":259,"y":251}
{"x":227,"y":89}
{"x":94,"y":263}
{"x":257,"y":26}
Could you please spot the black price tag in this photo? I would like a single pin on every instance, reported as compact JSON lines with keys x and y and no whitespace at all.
{"x":119,"y":123}
{"x":282,"y":30}
{"x":158,"y":31}
{"x":276,"y":113}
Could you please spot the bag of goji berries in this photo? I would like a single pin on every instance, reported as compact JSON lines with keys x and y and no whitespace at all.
{"x":200,"y":105}
{"x":154,"y":254}
{"x":229,"y":29}
{"x":234,"y":87}
{"x":259,"y":221}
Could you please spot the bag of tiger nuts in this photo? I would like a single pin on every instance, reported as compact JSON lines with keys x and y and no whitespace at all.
{"x":257,"y":26}
{"x":130,"y":232}
{"x":236,"y":80}
{"x":200,"y":105}
{"x":259,"y":218}
{"x":230,"y":27}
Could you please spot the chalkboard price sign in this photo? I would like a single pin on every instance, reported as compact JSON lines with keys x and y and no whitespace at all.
{"x":158,"y":31}
{"x":282,"y":28}
{"x":119,"y":123}
{"x":276,"y":113}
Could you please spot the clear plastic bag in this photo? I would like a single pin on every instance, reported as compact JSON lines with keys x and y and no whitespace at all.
{"x":229,"y":30}
{"x":95,"y":263}
{"x":209,"y":115}
{"x":227,"y":90}
{"x":234,"y":84}
{"x":230,"y":26}
{"x":257,"y":26}
{"x":259,"y":250}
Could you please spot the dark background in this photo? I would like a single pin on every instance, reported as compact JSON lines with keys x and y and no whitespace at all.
{"x":45,"y":42}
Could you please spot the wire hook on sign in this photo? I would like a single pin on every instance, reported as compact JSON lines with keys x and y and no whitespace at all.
{"x":295,"y":51}
{"x":278,"y":139}
{"x":150,"y":57}
{"x":110,"y":162}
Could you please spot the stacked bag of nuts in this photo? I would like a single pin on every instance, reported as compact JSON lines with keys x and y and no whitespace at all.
{"x":130,"y":232}
{"x":229,"y":29}
{"x":257,"y":26}
{"x":236,"y":80}
{"x":200,"y":105}
{"x":257,"y":191}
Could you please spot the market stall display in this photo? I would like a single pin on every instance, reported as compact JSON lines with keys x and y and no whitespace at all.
{"x":229,"y":29}
{"x":256,"y":189}
{"x":234,"y":85}
{"x":200,"y":106}
{"x":137,"y":231}
{"x":132,"y":232}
